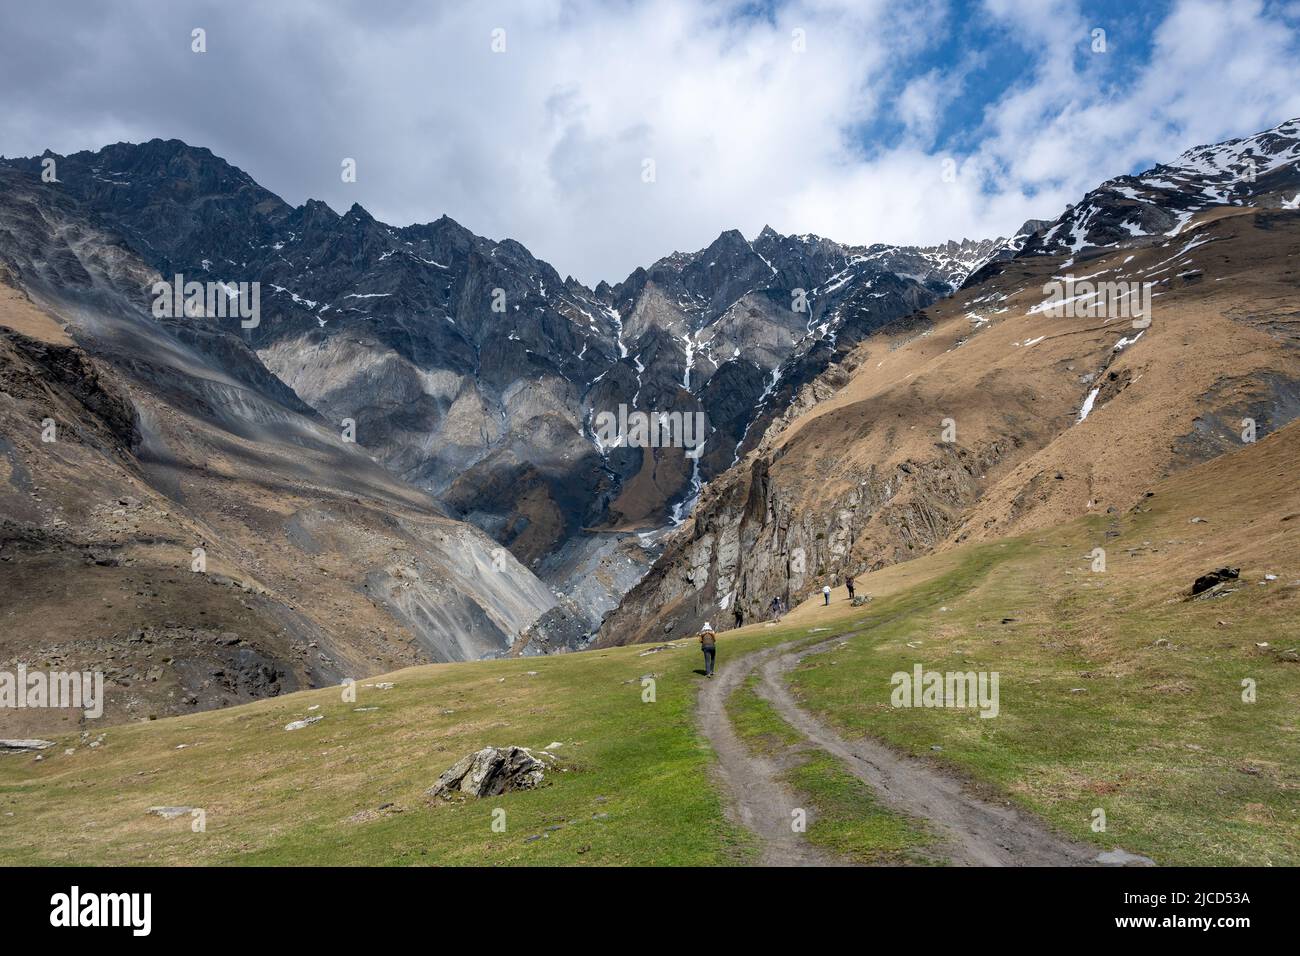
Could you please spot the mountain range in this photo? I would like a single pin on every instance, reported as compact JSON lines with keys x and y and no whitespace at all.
{"x":478,"y":512}
{"x":473,"y":371}
{"x":987,"y":413}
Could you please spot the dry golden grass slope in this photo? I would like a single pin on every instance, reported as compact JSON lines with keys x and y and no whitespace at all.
{"x":17,"y":312}
{"x":1222,"y":345}
{"x":963,"y":422}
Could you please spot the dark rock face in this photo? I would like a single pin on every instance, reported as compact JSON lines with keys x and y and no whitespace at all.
{"x":180,"y":202}
{"x":752,"y":539}
{"x":474,"y":370}
{"x":1161,"y":200}
{"x":184,"y":523}
{"x":34,"y":366}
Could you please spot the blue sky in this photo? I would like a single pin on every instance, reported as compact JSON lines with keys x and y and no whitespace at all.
{"x":608,"y":133}
{"x":999,"y":60}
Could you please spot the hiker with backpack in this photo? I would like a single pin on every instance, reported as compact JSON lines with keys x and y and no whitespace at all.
{"x":826,"y":595}
{"x":709,"y":644}
{"x":848,"y":583}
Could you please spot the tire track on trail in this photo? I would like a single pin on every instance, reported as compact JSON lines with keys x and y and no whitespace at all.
{"x":972,"y":830}
{"x":758,"y":800}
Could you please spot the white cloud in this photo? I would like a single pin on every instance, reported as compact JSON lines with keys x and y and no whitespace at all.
{"x":1217,"y":70}
{"x":546,"y":142}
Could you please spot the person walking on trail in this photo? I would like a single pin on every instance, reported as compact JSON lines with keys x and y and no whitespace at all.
{"x":826,"y":594}
{"x":709,"y":644}
{"x":848,"y":583}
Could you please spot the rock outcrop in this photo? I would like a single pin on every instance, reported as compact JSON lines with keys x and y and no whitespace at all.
{"x":24,"y":745}
{"x":492,"y":771}
{"x":1221,"y":576}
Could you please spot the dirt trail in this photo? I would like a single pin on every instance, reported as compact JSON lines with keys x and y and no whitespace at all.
{"x":758,"y":800}
{"x":974,"y":832}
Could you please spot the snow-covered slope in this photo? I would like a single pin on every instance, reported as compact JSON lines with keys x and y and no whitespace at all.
{"x":1258,"y":170}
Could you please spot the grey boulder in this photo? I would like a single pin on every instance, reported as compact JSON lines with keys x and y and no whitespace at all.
{"x":491,"y":771}
{"x":24,"y":746}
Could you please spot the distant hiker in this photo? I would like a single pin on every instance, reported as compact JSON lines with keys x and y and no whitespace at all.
{"x":826,"y":594}
{"x":848,"y":583}
{"x":709,"y":643}
{"x":774,"y":609}
{"x":740,"y":616}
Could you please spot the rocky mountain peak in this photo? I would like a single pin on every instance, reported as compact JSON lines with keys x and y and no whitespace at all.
{"x":1255,"y":170}
{"x":357,"y":213}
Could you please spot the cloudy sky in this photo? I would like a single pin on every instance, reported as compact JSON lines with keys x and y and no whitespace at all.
{"x":838,"y":118}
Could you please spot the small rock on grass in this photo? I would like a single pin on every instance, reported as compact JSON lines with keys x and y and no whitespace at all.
{"x":24,"y":746}
{"x":169,"y":813}
{"x":305,"y":722}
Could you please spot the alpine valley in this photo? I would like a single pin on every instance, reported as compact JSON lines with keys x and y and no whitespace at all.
{"x":399,"y":463}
